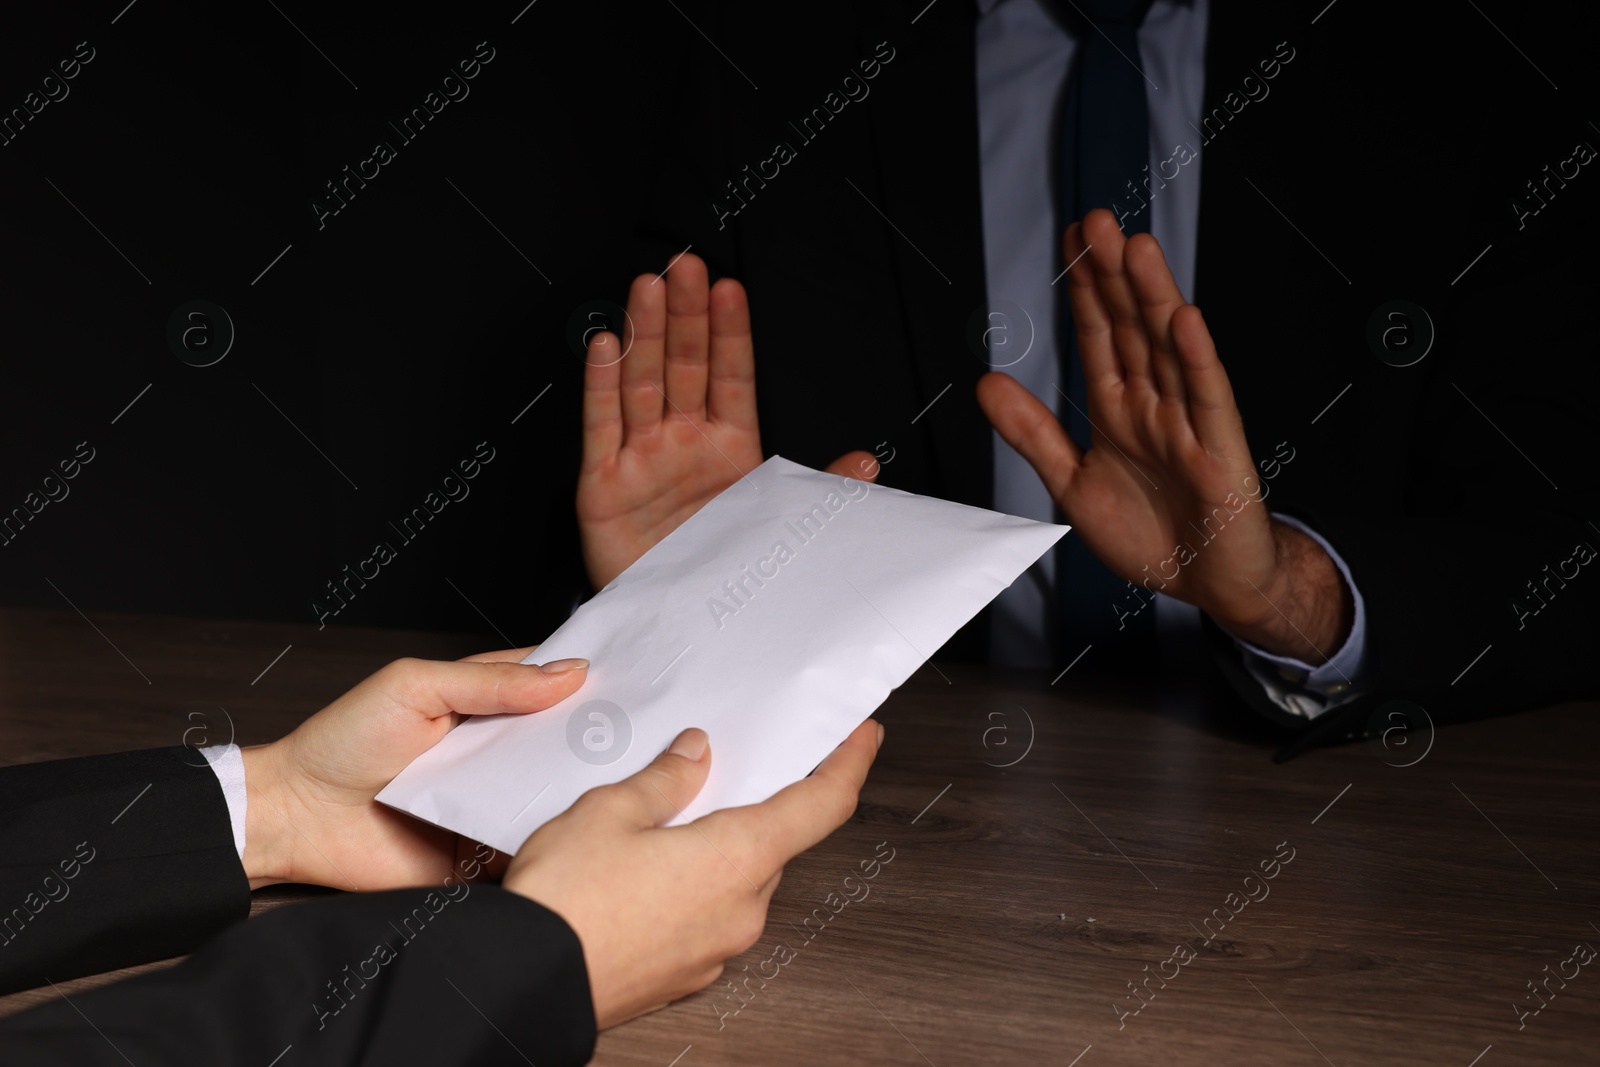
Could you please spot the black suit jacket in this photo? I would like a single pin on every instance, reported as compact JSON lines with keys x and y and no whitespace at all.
{"x":110,"y":861}
{"x":1378,"y":163}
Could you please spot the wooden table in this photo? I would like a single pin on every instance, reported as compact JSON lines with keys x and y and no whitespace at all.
{"x":1013,"y":914}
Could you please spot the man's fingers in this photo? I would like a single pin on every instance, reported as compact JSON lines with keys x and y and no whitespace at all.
{"x":435,"y":688}
{"x":1212,"y":409}
{"x":1030,"y":428}
{"x":862,"y":466}
{"x":658,"y":793}
{"x":1158,"y":296}
{"x":688,"y":303}
{"x":602,"y":398}
{"x":1116,"y":293}
{"x":732,"y":388}
{"x":642,"y":396}
{"x":1091,"y":320}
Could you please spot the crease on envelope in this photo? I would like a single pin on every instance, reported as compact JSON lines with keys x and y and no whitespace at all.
{"x":777,"y":653}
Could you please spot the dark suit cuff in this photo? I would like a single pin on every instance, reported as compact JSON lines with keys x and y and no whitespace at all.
{"x":456,"y":974}
{"x":109,"y":861}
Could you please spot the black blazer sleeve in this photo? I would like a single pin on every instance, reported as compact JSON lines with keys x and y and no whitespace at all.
{"x":109,"y":861}
{"x":476,"y":976}
{"x":1458,"y":481}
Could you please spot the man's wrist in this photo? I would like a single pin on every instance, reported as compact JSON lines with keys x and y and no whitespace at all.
{"x":266,"y":856}
{"x":1306,"y":608}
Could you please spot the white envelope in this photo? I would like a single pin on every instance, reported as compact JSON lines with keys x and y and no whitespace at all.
{"x":776,"y":619}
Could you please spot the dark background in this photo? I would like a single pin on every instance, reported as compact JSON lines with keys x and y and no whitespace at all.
{"x":410,"y":327}
{"x":396,"y":338}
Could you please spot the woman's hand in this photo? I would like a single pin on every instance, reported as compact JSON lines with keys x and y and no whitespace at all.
{"x":659,"y":910}
{"x":310,"y":814}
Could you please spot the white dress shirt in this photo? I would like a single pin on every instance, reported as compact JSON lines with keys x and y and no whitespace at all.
{"x":1023,"y":58}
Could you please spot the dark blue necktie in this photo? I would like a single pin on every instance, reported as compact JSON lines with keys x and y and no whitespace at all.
{"x":1103,"y":150}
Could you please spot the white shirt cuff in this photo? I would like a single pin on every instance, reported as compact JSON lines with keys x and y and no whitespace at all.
{"x":228,"y":762}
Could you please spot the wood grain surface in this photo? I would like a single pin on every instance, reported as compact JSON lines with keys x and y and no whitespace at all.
{"x":1067,"y":874}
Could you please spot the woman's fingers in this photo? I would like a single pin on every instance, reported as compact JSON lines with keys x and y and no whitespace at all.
{"x":658,"y":910}
{"x":655,"y":795}
{"x":768,"y":835}
{"x":433,"y":688}
{"x":506,"y":655}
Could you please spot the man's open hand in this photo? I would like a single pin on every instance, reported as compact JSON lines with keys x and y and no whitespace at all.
{"x":1167,"y":463}
{"x":669,"y":415}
